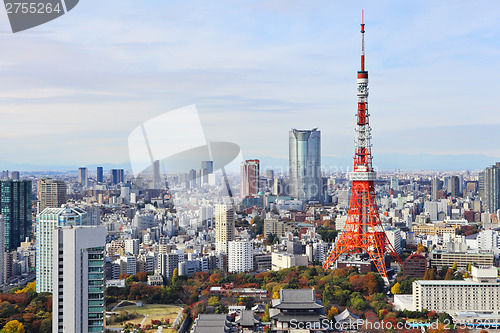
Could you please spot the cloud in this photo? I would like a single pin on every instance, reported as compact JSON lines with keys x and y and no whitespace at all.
{"x":254,"y":70}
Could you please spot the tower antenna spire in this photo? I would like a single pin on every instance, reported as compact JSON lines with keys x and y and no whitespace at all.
{"x":362,"y":41}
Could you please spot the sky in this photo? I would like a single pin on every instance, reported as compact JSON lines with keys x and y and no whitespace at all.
{"x":72,"y":90}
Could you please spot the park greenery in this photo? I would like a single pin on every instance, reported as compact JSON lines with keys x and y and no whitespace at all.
{"x":23,"y":310}
{"x":362,"y":293}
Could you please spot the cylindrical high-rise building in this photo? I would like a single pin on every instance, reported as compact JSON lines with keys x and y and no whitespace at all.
{"x":305,"y":164}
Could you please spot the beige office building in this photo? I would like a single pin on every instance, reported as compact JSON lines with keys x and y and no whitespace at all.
{"x":439,"y":258}
{"x":275,"y":227}
{"x":52,"y":193}
{"x":224,"y":226}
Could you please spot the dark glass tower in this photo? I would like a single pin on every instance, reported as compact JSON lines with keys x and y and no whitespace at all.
{"x":116,"y":176}
{"x":15,"y":206}
{"x":99,"y":175}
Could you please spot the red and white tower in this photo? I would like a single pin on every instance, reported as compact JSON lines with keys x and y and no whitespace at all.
{"x":363,"y":231}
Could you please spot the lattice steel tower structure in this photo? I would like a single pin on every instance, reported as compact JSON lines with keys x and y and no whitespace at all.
{"x":363,"y":231}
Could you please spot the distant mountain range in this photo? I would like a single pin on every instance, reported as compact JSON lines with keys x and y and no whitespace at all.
{"x":5,"y":165}
{"x":399,"y":161}
{"x":380,"y":162}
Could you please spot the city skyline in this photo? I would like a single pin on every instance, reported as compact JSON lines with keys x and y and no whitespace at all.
{"x":273,"y":61}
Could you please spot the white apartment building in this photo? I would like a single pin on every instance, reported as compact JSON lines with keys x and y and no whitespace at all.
{"x":240,"y":256}
{"x":132,"y":246}
{"x":394,"y":235}
{"x":47,"y":220}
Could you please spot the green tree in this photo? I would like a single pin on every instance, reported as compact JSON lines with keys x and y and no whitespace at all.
{"x":327,"y":234}
{"x":248,"y":302}
{"x":265,"y":318}
{"x":214,"y":301}
{"x":13,"y":326}
{"x":46,"y":326}
{"x":258,"y":226}
{"x":359,"y":303}
{"x":445,"y":318}
{"x":272,"y":238}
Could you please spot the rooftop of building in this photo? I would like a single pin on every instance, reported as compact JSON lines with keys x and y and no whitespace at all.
{"x":466,"y":282}
{"x":247,"y":318}
{"x":296,"y":299}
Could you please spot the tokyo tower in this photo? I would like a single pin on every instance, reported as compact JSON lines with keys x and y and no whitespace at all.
{"x":363,"y":230}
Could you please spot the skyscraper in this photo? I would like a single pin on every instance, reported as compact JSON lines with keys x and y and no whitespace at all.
{"x":2,"y":249}
{"x":224,"y":226}
{"x":207,"y":168}
{"x":192,"y":178}
{"x":250,"y":178}
{"x":116,"y":176}
{"x":15,"y":206}
{"x":209,"y":165}
{"x":51,"y":193}
{"x":156,"y":174}
{"x":490,"y":178}
{"x":305,"y":164}
{"x":83,"y":176}
{"x":455,"y":186}
{"x":46,"y":221}
{"x":436,"y":185}
{"x":78,"y":279}
{"x":99,"y":177}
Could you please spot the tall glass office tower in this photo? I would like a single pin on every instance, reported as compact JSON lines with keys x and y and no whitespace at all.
{"x":305,"y":165}
{"x":489,"y":183}
{"x":15,"y":206}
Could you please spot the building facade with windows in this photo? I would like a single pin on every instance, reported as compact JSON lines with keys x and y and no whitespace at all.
{"x":15,"y":207}
{"x":305,"y":165}
{"x":51,"y":193}
{"x":78,"y":279}
{"x":480,"y":294}
{"x":240,"y":257}
{"x":46,"y":222}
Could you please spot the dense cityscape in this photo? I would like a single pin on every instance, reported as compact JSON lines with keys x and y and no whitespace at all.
{"x":185,"y":243}
{"x":180,"y":239}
